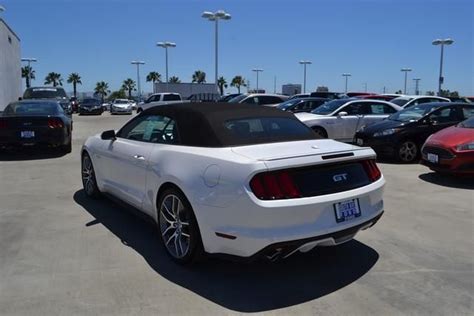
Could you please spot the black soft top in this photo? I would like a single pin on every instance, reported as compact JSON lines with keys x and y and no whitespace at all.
{"x":203,"y":124}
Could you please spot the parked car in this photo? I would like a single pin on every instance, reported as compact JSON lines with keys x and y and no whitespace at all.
{"x":204,"y":97}
{"x":259,"y":99}
{"x":106,"y":106}
{"x":340,"y":119}
{"x":402,"y":134}
{"x":329,"y":95}
{"x":406,"y":101}
{"x":49,"y":93}
{"x":301,"y":105}
{"x":35,"y":123}
{"x":240,"y":180}
{"x":459,"y":99}
{"x":299,"y":96}
{"x":470,"y":99}
{"x":133,"y":103}
{"x":359,"y":94}
{"x":451,"y":150}
{"x":90,"y":106}
{"x":120,"y":106}
{"x":227,"y":97}
{"x":74,"y":104}
{"x":158,"y":99}
{"x":382,"y":97}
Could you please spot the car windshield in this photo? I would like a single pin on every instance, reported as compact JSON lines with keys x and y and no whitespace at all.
{"x":400,"y":101}
{"x":90,"y":102}
{"x":328,"y":107}
{"x":237,"y":99}
{"x":413,"y":113}
{"x":121,"y":102}
{"x":469,"y":123}
{"x":33,"y":108}
{"x":285,"y":105}
{"x":44,"y":93}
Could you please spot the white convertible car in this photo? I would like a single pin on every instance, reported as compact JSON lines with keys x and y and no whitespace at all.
{"x":341,"y":119}
{"x":239,"y":180}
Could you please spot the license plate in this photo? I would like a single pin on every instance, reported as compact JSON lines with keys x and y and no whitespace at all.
{"x":347,"y":210}
{"x":360,"y":141}
{"x":27,"y":134}
{"x":432,"y":158}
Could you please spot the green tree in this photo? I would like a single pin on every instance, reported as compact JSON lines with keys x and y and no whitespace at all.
{"x":322,"y":89}
{"x":102,"y":89}
{"x":238,"y":81}
{"x":449,"y":94}
{"x":120,"y":94}
{"x":174,"y":79}
{"x":430,"y":93}
{"x":75,"y":79}
{"x":28,"y":73}
{"x":54,"y":78}
{"x":398,"y":92}
{"x":129,"y":85}
{"x":199,"y":76}
{"x":222,"y":83}
{"x":153,"y":76}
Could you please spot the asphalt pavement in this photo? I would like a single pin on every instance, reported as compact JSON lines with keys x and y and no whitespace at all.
{"x":62,"y":253}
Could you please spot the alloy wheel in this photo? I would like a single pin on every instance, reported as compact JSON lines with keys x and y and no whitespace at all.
{"x":408,"y":151}
{"x":174,"y":226}
{"x":320,"y":132}
{"x":88,"y":178}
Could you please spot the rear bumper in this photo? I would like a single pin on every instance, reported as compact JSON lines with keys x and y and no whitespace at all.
{"x":462,"y":164}
{"x":383,"y":146}
{"x":42,"y":138}
{"x":119,"y":111}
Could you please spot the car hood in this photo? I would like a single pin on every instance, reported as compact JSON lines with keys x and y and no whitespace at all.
{"x":452,"y":136}
{"x":304,"y":116}
{"x":88,"y":105}
{"x":275,"y":151}
{"x":383,"y":125}
{"x":121,"y":105}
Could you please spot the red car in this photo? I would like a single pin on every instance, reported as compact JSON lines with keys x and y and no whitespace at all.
{"x":451,"y":150}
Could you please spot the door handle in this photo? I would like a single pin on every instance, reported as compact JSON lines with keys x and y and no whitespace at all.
{"x":139,"y":157}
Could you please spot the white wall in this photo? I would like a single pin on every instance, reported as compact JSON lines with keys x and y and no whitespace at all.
{"x":10,"y":66}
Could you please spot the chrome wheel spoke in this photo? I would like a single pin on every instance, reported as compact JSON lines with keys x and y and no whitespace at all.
{"x":169,"y":228}
{"x":167,"y":211}
{"x":170,"y":239}
{"x":185,"y":235}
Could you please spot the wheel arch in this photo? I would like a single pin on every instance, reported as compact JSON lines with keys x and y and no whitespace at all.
{"x":315,"y":127}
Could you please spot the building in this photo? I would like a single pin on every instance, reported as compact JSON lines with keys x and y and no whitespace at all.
{"x":10,"y":65}
{"x":187,"y":90}
{"x":290,"y":89}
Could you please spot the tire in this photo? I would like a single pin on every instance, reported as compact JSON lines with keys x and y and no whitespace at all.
{"x":89,"y":181}
{"x":178,"y":227}
{"x":407,"y":151}
{"x":320,"y":132}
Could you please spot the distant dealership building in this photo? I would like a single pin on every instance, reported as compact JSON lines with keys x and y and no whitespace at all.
{"x":10,"y":65}
{"x":188,"y":90}
{"x":290,"y":89}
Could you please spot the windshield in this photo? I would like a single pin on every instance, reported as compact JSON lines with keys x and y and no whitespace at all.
{"x":328,"y":107}
{"x":121,"y":101}
{"x":44,"y":93}
{"x":285,"y":105}
{"x":400,"y":101}
{"x":33,"y":108}
{"x":237,"y":99}
{"x":90,"y":102}
{"x":469,"y":123}
{"x":413,"y":113}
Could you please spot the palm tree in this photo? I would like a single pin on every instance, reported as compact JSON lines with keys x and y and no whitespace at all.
{"x":75,"y":79}
{"x":129,"y":85}
{"x":102,"y":88}
{"x":238,"y":81}
{"x":153,"y":76}
{"x":222,"y":83}
{"x":54,"y":78}
{"x":199,"y":76}
{"x":174,"y":79}
{"x":28,"y":73}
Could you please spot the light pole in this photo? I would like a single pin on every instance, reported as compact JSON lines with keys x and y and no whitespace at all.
{"x":257,"y":70}
{"x":138,"y":63}
{"x":406,"y":71}
{"x":216,"y":16}
{"x":165,"y":45}
{"x":29,"y":61}
{"x":347,"y":75}
{"x":441,"y":42}
{"x":417,"y":81}
{"x":304,"y":63}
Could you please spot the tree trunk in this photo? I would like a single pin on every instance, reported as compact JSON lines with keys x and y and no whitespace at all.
{"x":238,"y":88}
{"x":27,"y":80}
{"x":74,"y":87}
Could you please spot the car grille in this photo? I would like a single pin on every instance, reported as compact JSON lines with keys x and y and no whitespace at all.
{"x":442,"y":153}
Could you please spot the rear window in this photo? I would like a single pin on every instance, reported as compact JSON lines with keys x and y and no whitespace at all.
{"x":400,"y":101}
{"x":44,"y":93}
{"x":32,"y":109}
{"x":171,"y":97}
{"x":248,"y":131}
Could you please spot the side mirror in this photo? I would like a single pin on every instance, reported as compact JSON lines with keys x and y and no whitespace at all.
{"x":107,"y":135}
{"x":343,"y":113}
{"x":20,"y":98}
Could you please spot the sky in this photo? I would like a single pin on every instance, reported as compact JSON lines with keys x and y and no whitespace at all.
{"x":370,"y":39}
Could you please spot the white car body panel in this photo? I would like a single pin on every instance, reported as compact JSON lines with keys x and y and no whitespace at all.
{"x":159,"y":100}
{"x":216,"y":183}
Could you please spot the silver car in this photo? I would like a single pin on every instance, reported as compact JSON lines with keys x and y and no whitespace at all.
{"x":341,"y":119}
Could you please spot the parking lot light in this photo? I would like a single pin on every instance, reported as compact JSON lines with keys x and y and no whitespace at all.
{"x":257,"y":70}
{"x":441,"y":42}
{"x":406,"y":71}
{"x":417,"y":82}
{"x":165,"y":45}
{"x":346,"y":75}
{"x":304,"y":63}
{"x":138,"y":63}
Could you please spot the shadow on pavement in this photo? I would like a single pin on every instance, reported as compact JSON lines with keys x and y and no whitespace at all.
{"x":255,"y":287}
{"x":33,"y":153}
{"x":448,"y":180}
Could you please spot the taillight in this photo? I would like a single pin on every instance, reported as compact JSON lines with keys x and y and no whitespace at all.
{"x":55,"y":123}
{"x":275,"y":185}
{"x":3,"y":124}
{"x":372,"y":170}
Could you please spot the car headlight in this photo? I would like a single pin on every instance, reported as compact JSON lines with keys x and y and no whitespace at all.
{"x":465,"y":147}
{"x":386,"y":132}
